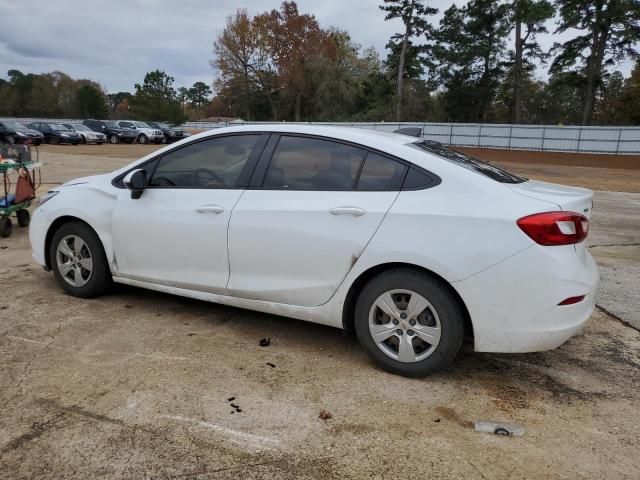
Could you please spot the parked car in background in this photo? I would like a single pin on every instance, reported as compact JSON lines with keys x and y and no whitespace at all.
{"x":146,"y":134}
{"x":56,"y":133}
{"x":87,"y":135}
{"x":15,"y":132}
{"x":113,"y":132}
{"x":171,"y":134}
{"x":410,"y":243}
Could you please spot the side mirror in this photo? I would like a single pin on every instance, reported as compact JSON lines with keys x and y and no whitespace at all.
{"x":136,"y":181}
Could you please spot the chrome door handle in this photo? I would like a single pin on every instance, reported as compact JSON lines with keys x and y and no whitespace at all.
{"x":355,"y":211}
{"x":210,"y":209}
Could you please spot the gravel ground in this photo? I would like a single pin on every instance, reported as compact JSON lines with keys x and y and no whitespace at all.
{"x":138,"y":384}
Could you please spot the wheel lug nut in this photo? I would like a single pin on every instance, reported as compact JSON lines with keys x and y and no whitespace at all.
{"x":395,"y":321}
{"x":399,"y":332}
{"x":412,"y":322}
{"x":403,"y":316}
{"x":410,"y":332}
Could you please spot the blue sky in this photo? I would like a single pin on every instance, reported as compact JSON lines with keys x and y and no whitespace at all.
{"x":116,"y":42}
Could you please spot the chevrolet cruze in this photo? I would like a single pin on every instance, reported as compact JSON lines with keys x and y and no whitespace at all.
{"x":413,"y":245}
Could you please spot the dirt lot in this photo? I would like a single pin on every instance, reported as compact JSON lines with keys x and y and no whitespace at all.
{"x":137,"y":384}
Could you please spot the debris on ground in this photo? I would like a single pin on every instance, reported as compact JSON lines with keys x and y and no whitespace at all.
{"x":271,"y":365}
{"x":265,"y":342}
{"x":191,"y":334}
{"x":231,"y":399}
{"x":499,"y":428}
{"x":235,"y":406}
{"x":325,"y":415}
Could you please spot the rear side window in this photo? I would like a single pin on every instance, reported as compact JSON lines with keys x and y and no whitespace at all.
{"x":381,"y":173}
{"x":467,"y":161}
{"x":213,"y":163}
{"x":300,"y":163}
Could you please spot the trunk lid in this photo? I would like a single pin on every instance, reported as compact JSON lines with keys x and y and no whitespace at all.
{"x":568,"y":199}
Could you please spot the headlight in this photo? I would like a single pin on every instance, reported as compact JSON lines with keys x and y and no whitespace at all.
{"x":47,"y":196}
{"x":64,"y":135}
{"x":20,"y":134}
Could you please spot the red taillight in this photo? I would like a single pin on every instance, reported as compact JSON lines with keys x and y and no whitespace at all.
{"x":555,"y":228}
{"x":572,"y":300}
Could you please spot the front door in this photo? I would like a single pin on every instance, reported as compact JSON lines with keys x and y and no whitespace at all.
{"x":176,"y":232}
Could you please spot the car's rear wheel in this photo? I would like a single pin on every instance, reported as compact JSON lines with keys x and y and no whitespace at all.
{"x":79,"y":262}
{"x":409,"y":322}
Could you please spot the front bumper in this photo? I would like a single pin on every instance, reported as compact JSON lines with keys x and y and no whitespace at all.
{"x":38,"y":228}
{"x":514,"y":304}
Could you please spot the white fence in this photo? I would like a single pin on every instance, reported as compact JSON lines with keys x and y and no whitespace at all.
{"x":608,"y":140}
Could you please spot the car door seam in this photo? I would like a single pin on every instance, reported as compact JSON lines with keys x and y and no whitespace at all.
{"x":226,"y":287}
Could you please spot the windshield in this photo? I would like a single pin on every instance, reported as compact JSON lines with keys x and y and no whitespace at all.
{"x":57,"y":126}
{"x":163,"y":125}
{"x":140,"y":124}
{"x":467,"y":161}
{"x":111,"y":125}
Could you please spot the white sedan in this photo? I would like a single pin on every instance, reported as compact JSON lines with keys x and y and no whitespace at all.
{"x":411,"y":244}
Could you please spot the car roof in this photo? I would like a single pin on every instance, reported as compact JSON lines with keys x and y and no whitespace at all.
{"x":372,"y":138}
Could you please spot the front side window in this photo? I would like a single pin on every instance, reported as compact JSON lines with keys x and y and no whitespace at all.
{"x":300,"y":163}
{"x":211,"y":163}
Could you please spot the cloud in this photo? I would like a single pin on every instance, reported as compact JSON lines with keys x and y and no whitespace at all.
{"x":117,"y":42}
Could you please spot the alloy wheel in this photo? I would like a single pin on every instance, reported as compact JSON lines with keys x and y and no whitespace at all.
{"x":74,"y":260}
{"x":404,"y":325}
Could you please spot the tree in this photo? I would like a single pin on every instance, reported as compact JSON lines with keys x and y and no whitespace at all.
{"x":243,"y":62}
{"x":291,"y":39}
{"x":412,"y":13}
{"x":532,"y":14}
{"x":91,"y":102}
{"x":469,"y":53}
{"x":631,"y":97}
{"x":198,"y":95}
{"x":155,"y":99}
{"x":610,"y":32}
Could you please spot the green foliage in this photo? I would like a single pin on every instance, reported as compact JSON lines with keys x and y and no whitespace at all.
{"x":91,"y":102}
{"x":155,"y":99}
{"x":608,"y":31}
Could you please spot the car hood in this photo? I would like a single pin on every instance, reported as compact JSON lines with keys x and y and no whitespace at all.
{"x":83,"y":180}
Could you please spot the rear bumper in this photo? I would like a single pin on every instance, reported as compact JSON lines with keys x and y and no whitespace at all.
{"x":514,"y":304}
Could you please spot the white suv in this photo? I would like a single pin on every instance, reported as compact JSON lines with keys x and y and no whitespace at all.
{"x":145,"y":133}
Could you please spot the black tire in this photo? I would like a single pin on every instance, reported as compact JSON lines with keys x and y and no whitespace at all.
{"x":6,"y":227}
{"x":113,"y":139}
{"x":100,"y":280}
{"x":24,"y":218}
{"x":445,"y":303}
{"x":84,"y":139}
{"x":143,"y":139}
{"x":56,"y":140}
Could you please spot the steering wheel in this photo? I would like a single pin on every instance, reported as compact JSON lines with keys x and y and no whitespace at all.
{"x":198,"y":178}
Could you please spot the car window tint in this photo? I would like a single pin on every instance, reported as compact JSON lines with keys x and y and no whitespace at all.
{"x":467,"y":161}
{"x":301,"y":163}
{"x":418,"y":179}
{"x":381,"y":173}
{"x":213,"y":163}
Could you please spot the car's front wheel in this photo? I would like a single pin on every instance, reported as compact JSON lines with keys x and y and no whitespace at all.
{"x":113,"y":138}
{"x":79,"y":262}
{"x":143,"y":139}
{"x":409,"y":322}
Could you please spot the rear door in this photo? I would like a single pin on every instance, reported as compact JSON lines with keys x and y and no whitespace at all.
{"x":313,"y":206}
